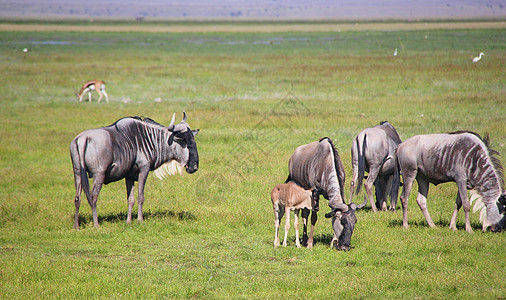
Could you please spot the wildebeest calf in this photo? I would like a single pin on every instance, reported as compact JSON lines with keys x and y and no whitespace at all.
{"x":290,"y":196}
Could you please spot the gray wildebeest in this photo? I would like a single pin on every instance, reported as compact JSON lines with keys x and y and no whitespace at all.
{"x":318,"y":166}
{"x":289,"y":196}
{"x":373,"y":151}
{"x":129,"y":148}
{"x":462,"y":157}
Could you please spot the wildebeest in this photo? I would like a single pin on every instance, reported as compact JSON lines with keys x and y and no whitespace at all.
{"x":343,"y":223}
{"x":462,"y":157}
{"x":129,"y":148}
{"x":373,"y":151}
{"x":318,"y":166}
{"x":289,"y":196}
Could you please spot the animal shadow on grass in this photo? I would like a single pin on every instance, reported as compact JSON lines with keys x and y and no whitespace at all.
{"x":440,"y":223}
{"x":85,"y":219}
{"x":323,"y":238}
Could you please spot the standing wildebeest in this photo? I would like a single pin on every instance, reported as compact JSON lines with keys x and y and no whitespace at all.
{"x":373,"y":151}
{"x":463,"y":157}
{"x":290,"y":196}
{"x":318,"y":166}
{"x":129,"y":148}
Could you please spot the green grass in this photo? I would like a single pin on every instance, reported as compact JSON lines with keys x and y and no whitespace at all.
{"x":255,"y":97}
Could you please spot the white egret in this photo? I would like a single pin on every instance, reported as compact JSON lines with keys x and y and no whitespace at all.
{"x":477,"y":59}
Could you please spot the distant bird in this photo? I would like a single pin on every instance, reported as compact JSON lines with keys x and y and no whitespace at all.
{"x":25,"y":50}
{"x":395,"y":52}
{"x":477,"y":59}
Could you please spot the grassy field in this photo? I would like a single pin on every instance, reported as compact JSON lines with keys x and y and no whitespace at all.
{"x":255,"y":97}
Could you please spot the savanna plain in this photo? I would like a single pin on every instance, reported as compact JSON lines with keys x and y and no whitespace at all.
{"x":255,"y":96}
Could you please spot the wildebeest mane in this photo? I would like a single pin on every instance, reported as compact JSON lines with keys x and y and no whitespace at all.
{"x":492,"y":153}
{"x":147,"y":121}
{"x":466,"y":131}
{"x":339,"y":169}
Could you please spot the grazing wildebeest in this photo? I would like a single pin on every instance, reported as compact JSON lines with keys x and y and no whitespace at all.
{"x":289,"y":196}
{"x":343,"y":222}
{"x":318,"y":166}
{"x":462,"y":157}
{"x":373,"y":151}
{"x":129,"y":148}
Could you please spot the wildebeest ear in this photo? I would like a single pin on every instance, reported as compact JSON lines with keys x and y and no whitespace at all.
{"x":195,"y":132}
{"x":171,"y":139}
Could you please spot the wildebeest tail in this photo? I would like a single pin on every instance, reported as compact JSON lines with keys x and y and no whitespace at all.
{"x":396,"y":183}
{"x":361,"y":162}
{"x":78,"y":149}
{"x":394,"y":192}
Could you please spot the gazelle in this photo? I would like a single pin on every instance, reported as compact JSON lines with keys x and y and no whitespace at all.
{"x":93,"y":85}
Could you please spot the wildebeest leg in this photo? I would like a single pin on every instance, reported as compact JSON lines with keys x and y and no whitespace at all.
{"x":98,"y":181}
{"x":77,"y":199}
{"x":353,"y":181}
{"x":143,"y":175}
{"x":278,"y":215}
{"x":305,"y":214}
{"x":409,"y":177}
{"x":287,"y":224}
{"x":458,"y":204}
{"x":465,"y":202}
{"x":130,"y":198}
{"x":389,"y":180}
{"x":296,"y":225}
{"x":373,"y":174}
{"x":380,"y":188}
{"x":314,"y":218}
{"x":421,"y":199}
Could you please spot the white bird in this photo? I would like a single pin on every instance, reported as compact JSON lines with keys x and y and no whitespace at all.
{"x":395,"y":52}
{"x":477,"y":59}
{"x":25,"y":50}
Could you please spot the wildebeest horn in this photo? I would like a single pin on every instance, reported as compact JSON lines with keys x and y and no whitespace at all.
{"x":171,"y":125}
{"x":184,"y":117}
{"x":361,"y":205}
{"x":340,"y":207}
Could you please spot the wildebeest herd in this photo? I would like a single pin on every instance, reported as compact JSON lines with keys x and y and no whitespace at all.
{"x":132,"y":147}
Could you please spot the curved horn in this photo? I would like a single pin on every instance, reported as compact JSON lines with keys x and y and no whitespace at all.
{"x":171,"y":125}
{"x":184,"y":117}
{"x":361,"y":205}
{"x":342,"y":207}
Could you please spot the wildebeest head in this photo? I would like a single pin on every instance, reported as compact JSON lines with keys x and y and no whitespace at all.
{"x":501,"y":205}
{"x":343,"y":223}
{"x":183,"y":140}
